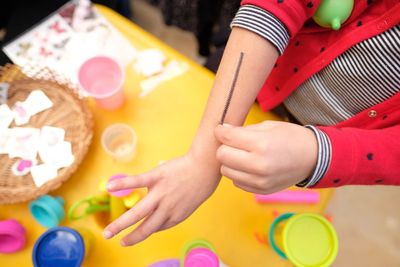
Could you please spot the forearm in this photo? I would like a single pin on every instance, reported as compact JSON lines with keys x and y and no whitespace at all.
{"x":259,"y":57}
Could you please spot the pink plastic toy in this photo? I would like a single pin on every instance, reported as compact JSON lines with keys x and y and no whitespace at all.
{"x":102,"y":78}
{"x":201,"y":257}
{"x":290,"y":196}
{"x":12,"y":236}
{"x":120,"y":193}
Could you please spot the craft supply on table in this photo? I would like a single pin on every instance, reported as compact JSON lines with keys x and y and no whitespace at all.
{"x":120,"y":193}
{"x":67,"y":37}
{"x":42,"y":155}
{"x":102,"y":78}
{"x":47,"y":210}
{"x":129,"y":200}
{"x":89,"y":205}
{"x":199,"y":252}
{"x":119,"y":141}
{"x":3,"y":93}
{"x":6,"y":116}
{"x":12,"y":236}
{"x":22,"y":167}
{"x":173,"y":69}
{"x":291,"y":236}
{"x":290,"y":196}
{"x":149,"y":62}
{"x":166,"y":263}
{"x":59,"y":246}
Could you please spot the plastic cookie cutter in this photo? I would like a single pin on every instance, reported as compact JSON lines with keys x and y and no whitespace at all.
{"x":89,"y":205}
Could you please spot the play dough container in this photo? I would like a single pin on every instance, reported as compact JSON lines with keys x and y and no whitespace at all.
{"x":166,"y":263}
{"x":47,"y":210}
{"x":199,"y":252}
{"x":306,"y":240}
{"x":12,"y":236}
{"x":59,"y":246}
{"x":201,"y":257}
{"x":102,"y":78}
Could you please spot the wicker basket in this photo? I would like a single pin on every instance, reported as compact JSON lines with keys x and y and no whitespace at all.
{"x":69,"y":112}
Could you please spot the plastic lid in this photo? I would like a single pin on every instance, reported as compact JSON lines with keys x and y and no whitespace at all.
{"x":309,"y":240}
{"x":166,"y":263}
{"x":199,"y":257}
{"x":59,"y":246}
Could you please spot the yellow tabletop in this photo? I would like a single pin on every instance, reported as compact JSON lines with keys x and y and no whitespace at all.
{"x":165,"y":122}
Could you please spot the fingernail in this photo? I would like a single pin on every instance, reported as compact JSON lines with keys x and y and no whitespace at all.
{"x":227,"y":125}
{"x":123,"y":243}
{"x":107,"y":234}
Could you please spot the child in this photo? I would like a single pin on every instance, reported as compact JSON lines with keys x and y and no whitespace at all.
{"x":344,"y":85}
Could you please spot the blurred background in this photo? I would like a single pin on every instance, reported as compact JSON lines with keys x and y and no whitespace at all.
{"x":367,"y":218}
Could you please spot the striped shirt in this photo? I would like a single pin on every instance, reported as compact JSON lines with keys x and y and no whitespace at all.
{"x":363,"y":76}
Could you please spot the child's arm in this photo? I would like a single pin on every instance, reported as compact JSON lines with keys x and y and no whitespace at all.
{"x":179,"y":186}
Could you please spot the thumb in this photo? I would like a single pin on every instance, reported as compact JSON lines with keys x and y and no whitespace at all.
{"x":237,"y":137}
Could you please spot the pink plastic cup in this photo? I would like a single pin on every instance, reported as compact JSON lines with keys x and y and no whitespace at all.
{"x":12,"y":236}
{"x":102,"y":78}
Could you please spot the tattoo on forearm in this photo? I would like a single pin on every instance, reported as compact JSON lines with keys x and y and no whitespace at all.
{"x":233,"y":85}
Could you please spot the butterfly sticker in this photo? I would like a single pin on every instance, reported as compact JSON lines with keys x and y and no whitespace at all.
{"x":23,"y":49}
{"x":56,"y":27}
{"x":45,"y":53}
{"x":61,"y":44}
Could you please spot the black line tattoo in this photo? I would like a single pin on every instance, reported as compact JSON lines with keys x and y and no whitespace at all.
{"x":233,"y":85}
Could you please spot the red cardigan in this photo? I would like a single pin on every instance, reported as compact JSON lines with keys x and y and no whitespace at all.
{"x":366,"y":147}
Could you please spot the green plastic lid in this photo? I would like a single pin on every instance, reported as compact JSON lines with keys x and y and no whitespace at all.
{"x":310,"y":240}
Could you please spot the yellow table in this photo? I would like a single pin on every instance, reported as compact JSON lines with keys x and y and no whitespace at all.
{"x":165,"y":122}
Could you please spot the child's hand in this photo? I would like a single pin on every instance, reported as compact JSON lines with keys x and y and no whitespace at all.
{"x":266,"y":157}
{"x":175,"y":190}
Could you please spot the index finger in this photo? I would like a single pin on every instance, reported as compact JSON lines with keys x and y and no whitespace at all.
{"x":132,"y":216}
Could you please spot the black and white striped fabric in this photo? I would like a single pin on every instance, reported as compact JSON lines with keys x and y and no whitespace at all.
{"x":264,"y":24}
{"x":365,"y":75}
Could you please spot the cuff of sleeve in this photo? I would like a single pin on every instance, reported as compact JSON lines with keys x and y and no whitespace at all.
{"x":324,"y":158}
{"x":263,"y":23}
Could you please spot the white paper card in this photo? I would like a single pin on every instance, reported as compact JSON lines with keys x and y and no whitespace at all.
{"x":172,"y":70}
{"x":43,"y":173}
{"x":24,"y":143}
{"x":37,"y":102}
{"x":5,"y":140}
{"x":149,"y":62}
{"x":57,"y":156}
{"x":6,"y":116}
{"x":21,"y":114}
{"x":51,"y":136}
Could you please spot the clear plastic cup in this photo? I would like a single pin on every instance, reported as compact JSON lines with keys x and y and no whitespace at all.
{"x":119,"y":141}
{"x":102,"y":78}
